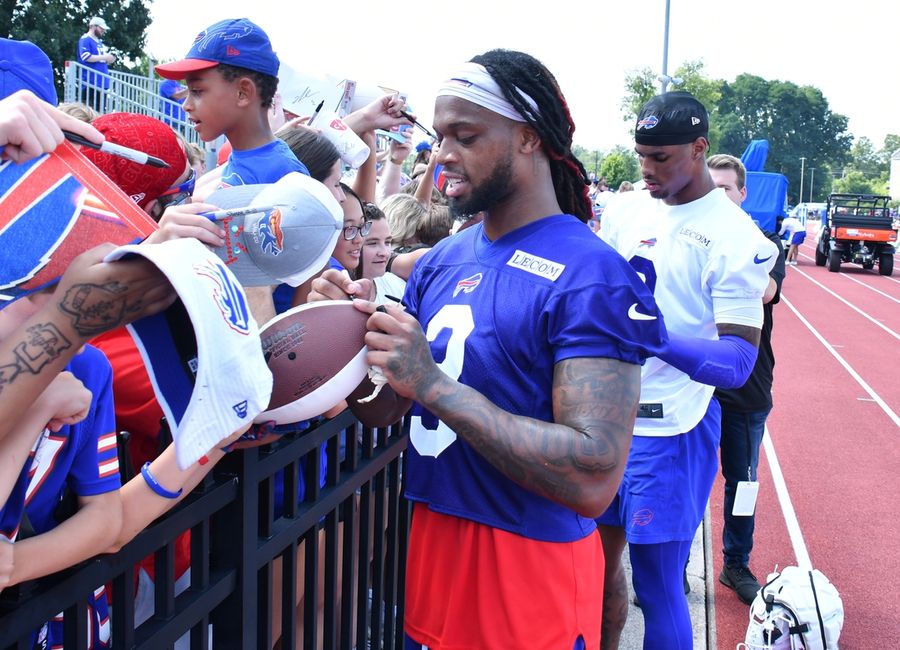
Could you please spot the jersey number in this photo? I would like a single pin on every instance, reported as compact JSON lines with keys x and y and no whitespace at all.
{"x":646,"y":270}
{"x":428,"y":435}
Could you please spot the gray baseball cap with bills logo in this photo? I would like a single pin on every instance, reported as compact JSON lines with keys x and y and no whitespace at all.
{"x":288,"y":240}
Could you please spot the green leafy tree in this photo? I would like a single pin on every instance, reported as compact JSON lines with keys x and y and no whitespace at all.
{"x":855,"y":182}
{"x":56,"y":25}
{"x":891,"y":144}
{"x":796,"y":120}
{"x":864,"y":158}
{"x":590,"y":158}
{"x":642,"y":84}
{"x":620,"y":165}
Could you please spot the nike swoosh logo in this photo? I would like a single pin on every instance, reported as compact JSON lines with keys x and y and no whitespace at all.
{"x":634,"y":314}
{"x":756,"y":259}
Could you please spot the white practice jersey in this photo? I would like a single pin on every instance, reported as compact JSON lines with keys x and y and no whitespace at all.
{"x":700,"y":260}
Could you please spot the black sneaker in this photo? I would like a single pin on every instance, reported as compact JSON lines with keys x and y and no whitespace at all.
{"x":687,"y":588}
{"x":742,"y":581}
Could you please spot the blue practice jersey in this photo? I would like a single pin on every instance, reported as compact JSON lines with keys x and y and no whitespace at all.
{"x":82,"y":456}
{"x":89,"y":46}
{"x":265,"y":164}
{"x":499,"y":316}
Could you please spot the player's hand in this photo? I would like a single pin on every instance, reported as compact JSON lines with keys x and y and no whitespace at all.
{"x":98,"y":296}
{"x":6,"y":562}
{"x":338,"y":285}
{"x":398,"y":346}
{"x":67,"y":398}
{"x":30,"y":127}
{"x":183,"y":221}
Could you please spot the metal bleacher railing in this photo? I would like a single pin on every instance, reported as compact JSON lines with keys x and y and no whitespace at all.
{"x":348,"y":538}
{"x":130,"y":93}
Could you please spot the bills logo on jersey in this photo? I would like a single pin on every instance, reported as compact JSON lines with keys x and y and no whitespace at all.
{"x":270,"y":235}
{"x":648,"y":122}
{"x":229,"y":296}
{"x":468,"y":285}
{"x":649,"y":243}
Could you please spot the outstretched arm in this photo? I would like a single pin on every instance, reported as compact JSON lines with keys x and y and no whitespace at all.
{"x":91,"y":298}
{"x":723,"y":363}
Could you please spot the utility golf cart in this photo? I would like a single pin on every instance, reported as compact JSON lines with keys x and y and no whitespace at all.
{"x":857,"y":229}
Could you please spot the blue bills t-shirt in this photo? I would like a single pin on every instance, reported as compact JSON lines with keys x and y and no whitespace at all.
{"x":265,"y":164}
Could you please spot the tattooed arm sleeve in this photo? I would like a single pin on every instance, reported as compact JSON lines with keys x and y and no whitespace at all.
{"x":579,"y":459}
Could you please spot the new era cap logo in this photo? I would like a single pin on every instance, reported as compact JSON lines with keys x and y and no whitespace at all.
{"x":240,"y":409}
{"x":231,"y":50}
{"x":695,"y":121}
{"x":337,"y":125}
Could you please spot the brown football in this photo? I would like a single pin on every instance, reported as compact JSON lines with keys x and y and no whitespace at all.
{"x":316,"y":353}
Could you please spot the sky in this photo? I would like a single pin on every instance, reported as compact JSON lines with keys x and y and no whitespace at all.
{"x":848,"y":51}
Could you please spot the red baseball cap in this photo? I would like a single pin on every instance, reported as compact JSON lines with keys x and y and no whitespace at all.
{"x":142,"y":183}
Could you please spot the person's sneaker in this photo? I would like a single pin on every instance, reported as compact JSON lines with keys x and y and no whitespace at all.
{"x":742,"y":580}
{"x":687,"y":588}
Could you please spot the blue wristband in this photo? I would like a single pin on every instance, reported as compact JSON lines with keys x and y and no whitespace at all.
{"x":155,"y":486}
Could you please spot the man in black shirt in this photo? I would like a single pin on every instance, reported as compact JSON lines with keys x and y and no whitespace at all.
{"x":744,"y":412}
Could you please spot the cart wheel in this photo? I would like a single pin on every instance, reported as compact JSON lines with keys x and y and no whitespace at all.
{"x":834,"y":260}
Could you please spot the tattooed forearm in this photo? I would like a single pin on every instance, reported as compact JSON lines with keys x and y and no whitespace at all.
{"x":96,"y":308}
{"x":42,"y":344}
{"x":578,"y":460}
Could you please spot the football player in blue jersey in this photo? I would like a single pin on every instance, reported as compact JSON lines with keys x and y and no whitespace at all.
{"x":520,"y":346}
{"x":707,"y":264}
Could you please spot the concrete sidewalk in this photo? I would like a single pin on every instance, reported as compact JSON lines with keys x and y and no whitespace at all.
{"x":700,"y":600}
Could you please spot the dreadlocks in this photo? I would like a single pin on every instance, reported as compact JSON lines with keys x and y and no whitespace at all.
{"x":552,"y":121}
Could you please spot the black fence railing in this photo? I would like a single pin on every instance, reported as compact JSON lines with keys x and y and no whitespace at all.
{"x":325,"y":572}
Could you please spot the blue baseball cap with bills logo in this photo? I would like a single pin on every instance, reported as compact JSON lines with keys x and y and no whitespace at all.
{"x":235,"y":41}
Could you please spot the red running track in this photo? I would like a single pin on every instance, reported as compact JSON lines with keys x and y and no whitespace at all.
{"x":838,"y":447}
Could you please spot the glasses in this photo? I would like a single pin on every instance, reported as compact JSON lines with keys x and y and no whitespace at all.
{"x":350,"y":232}
{"x":178,"y":194}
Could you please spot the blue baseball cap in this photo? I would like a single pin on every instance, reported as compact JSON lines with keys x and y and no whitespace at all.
{"x":423,"y":146}
{"x":24,"y":66}
{"x":236,"y":42}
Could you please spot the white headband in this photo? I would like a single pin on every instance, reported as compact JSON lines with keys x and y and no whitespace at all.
{"x":474,"y":83}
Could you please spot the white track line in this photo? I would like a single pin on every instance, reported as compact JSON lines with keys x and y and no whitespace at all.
{"x":877,"y":398}
{"x":851,"y":278}
{"x":851,"y":306}
{"x":787,"y":507}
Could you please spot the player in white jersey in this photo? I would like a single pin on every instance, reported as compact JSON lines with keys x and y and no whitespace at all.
{"x":707,"y":265}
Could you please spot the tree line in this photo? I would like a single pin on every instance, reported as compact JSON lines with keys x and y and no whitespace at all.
{"x":796,"y":120}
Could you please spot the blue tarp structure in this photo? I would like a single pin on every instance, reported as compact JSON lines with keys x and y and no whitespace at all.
{"x":766,"y":191}
{"x":754,"y":157}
